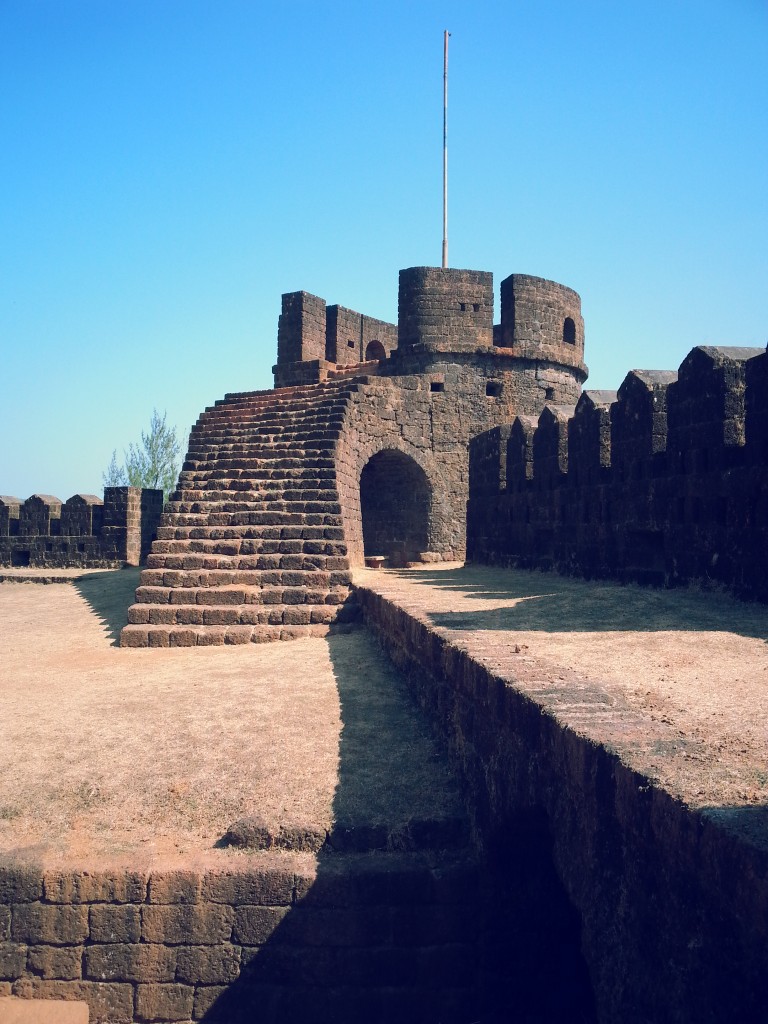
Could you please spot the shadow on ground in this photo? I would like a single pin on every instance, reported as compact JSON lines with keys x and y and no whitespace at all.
{"x":403,"y":922}
{"x":550,"y":603}
{"x":110,"y":594}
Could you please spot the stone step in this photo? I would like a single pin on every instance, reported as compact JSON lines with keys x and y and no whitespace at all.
{"x":234,"y":410}
{"x":240,"y":615}
{"x":274,"y":419}
{"x":257,"y":478}
{"x":178,"y":635}
{"x":260,"y":532}
{"x":252,"y":517}
{"x":229,"y":462}
{"x":310,"y":577}
{"x":298,"y":406}
{"x":247,"y":490}
{"x":331,"y":590}
{"x":242,"y":502}
{"x":215,"y":448}
{"x":213,"y":561}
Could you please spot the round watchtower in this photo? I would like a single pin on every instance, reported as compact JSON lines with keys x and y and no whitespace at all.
{"x":541,"y":320}
{"x":444,"y":309}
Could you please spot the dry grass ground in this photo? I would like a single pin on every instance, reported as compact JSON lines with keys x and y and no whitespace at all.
{"x":112,"y":755}
{"x":147,"y":756}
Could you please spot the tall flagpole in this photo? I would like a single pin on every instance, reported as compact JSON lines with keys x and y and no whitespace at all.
{"x":445,"y":148}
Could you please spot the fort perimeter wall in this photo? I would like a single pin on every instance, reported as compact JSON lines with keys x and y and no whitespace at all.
{"x":82,"y":532}
{"x":662,"y":482}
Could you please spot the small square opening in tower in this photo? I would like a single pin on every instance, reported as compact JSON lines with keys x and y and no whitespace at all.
{"x":493,"y":388}
{"x":436,"y":385}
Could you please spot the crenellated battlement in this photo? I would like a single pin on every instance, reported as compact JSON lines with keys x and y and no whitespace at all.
{"x":663,"y":481}
{"x":84,"y":531}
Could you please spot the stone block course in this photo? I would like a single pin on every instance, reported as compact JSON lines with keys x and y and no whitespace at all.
{"x":255,"y":925}
{"x":164,"y":1002}
{"x":94,"y":887}
{"x":207,"y":965}
{"x":204,"y":924}
{"x":13,"y":960}
{"x":20,"y":885}
{"x":131,"y":962}
{"x":54,"y":925}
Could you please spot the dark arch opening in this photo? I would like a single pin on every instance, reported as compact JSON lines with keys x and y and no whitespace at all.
{"x":395,"y":499}
{"x":375,"y":350}
{"x":569,"y":331}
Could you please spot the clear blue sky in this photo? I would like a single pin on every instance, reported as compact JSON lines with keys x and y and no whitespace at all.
{"x":170,"y":167}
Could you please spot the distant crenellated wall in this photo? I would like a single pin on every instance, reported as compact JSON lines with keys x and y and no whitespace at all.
{"x":83,"y":531}
{"x":664,"y":481}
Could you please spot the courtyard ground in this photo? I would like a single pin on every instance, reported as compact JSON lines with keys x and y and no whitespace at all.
{"x":147,"y":756}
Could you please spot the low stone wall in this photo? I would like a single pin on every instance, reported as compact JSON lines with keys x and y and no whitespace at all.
{"x":375,"y":937}
{"x":668,"y":906}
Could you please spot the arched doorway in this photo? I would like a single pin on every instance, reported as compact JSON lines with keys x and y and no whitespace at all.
{"x":375,"y":350}
{"x":395,"y":499}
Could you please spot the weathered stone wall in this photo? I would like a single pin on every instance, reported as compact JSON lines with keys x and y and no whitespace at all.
{"x":667,"y":905}
{"x":83,"y":531}
{"x":313,"y":340}
{"x":541,"y":319}
{"x":443,"y":307}
{"x":351,"y":337}
{"x":663,"y":482}
{"x":301,"y":328}
{"x":380,"y":938}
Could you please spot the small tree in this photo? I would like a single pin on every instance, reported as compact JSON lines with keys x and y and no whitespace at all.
{"x":153,"y":463}
{"x":115,"y":474}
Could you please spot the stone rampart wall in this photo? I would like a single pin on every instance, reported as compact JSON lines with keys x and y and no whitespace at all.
{"x":664,"y":482}
{"x":668,"y":907}
{"x":83,"y":531}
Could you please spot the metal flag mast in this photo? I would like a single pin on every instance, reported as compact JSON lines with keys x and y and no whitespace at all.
{"x":445,"y":148}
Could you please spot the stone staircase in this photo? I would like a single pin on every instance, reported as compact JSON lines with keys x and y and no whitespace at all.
{"x":251,"y":546}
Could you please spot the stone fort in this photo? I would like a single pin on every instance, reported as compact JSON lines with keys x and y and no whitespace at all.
{"x":443,"y":438}
{"x":360,"y":452}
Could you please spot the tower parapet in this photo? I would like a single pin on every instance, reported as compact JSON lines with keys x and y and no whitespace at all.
{"x":445,"y":309}
{"x":541,"y":319}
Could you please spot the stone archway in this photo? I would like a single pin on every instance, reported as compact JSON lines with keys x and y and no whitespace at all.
{"x":395,"y":503}
{"x":375,"y":350}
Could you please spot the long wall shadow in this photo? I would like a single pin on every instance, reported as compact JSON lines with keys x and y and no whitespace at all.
{"x":404,"y":922}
